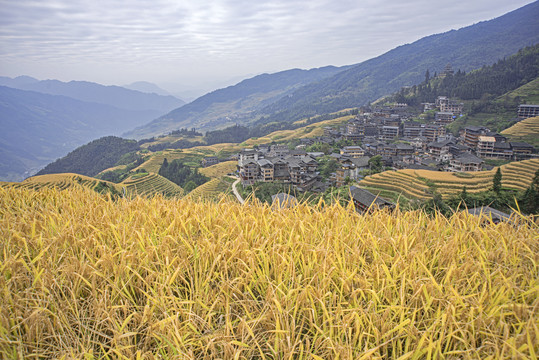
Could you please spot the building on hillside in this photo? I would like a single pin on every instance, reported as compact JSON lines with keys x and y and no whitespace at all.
{"x":389,"y":132}
{"x":278,"y":150}
{"x":209,"y":161}
{"x":502,"y":150}
{"x":266,"y":170}
{"x":466,"y":162}
{"x":432,"y":132}
{"x":353,"y":151}
{"x":485,"y":146}
{"x":419,"y":143}
{"x":458,"y":149}
{"x":471,"y":135}
{"x":398,"y":150}
{"x":365,"y":201}
{"x":280,"y":169}
{"x":444,"y":118}
{"x":412,"y":129}
{"x":522,"y":150}
{"x":428,"y":106}
{"x":447,"y":105}
{"x":526,"y":111}
{"x":439,"y":148}
{"x":249,"y":172}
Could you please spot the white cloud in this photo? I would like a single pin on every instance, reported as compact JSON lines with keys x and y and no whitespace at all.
{"x":125,"y":41}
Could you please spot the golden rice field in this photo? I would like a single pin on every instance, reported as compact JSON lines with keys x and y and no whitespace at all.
{"x":214,"y":189}
{"x":150,"y":185}
{"x":416,"y":184}
{"x":307,"y":131}
{"x":86,"y":277}
{"x":60,"y":181}
{"x":218,"y":170}
{"x":529,"y":126}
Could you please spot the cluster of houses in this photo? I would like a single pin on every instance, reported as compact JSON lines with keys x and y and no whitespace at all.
{"x":278,"y":163}
{"x":387,"y":131}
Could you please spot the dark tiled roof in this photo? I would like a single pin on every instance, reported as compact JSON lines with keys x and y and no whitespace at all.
{"x":362,"y":161}
{"x":489,"y":213}
{"x":366,"y":198}
{"x":264,"y":162}
{"x":521,"y":144}
{"x":502,"y":145}
{"x":468,"y":158}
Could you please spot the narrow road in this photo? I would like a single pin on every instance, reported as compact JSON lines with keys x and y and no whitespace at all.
{"x":235,"y":191}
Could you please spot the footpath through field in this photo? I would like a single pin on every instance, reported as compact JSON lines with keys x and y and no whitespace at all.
{"x":238,"y":196}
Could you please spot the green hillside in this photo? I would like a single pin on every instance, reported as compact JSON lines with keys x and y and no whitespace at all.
{"x":223,"y":107}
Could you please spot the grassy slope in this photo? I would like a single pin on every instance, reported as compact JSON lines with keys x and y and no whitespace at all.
{"x":528,"y":93}
{"x":85,"y":277}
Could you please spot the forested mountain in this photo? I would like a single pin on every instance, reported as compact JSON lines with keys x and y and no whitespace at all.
{"x":225,"y":106}
{"x":116,"y":96}
{"x":39,"y":128}
{"x":466,"y":49}
{"x":490,"y":81}
{"x":93,"y":157}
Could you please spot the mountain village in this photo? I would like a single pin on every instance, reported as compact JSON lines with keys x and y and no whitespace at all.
{"x":390,"y":134}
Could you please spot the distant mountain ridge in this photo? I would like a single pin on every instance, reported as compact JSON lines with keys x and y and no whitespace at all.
{"x":116,"y":96}
{"x":147,"y":87}
{"x":38,"y":128}
{"x":43,"y":120}
{"x":467,"y":48}
{"x":222,"y":107}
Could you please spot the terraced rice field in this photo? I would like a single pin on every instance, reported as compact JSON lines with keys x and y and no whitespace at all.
{"x":150,"y":185}
{"x":525,"y":127}
{"x":59,"y":181}
{"x":526,"y":131}
{"x":214,"y":189}
{"x":218,"y":170}
{"x":419,"y":184}
{"x":153,"y":164}
{"x":312,"y":130}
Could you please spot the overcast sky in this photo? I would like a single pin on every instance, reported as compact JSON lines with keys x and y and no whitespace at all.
{"x":197,"y":43}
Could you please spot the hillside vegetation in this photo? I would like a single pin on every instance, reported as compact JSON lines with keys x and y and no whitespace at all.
{"x":92,"y":158}
{"x":222,"y":107}
{"x":83,"y":276}
{"x":468,"y":48}
{"x":422,"y":184}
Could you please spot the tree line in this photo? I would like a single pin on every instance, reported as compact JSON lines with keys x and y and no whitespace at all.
{"x":485,"y":83}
